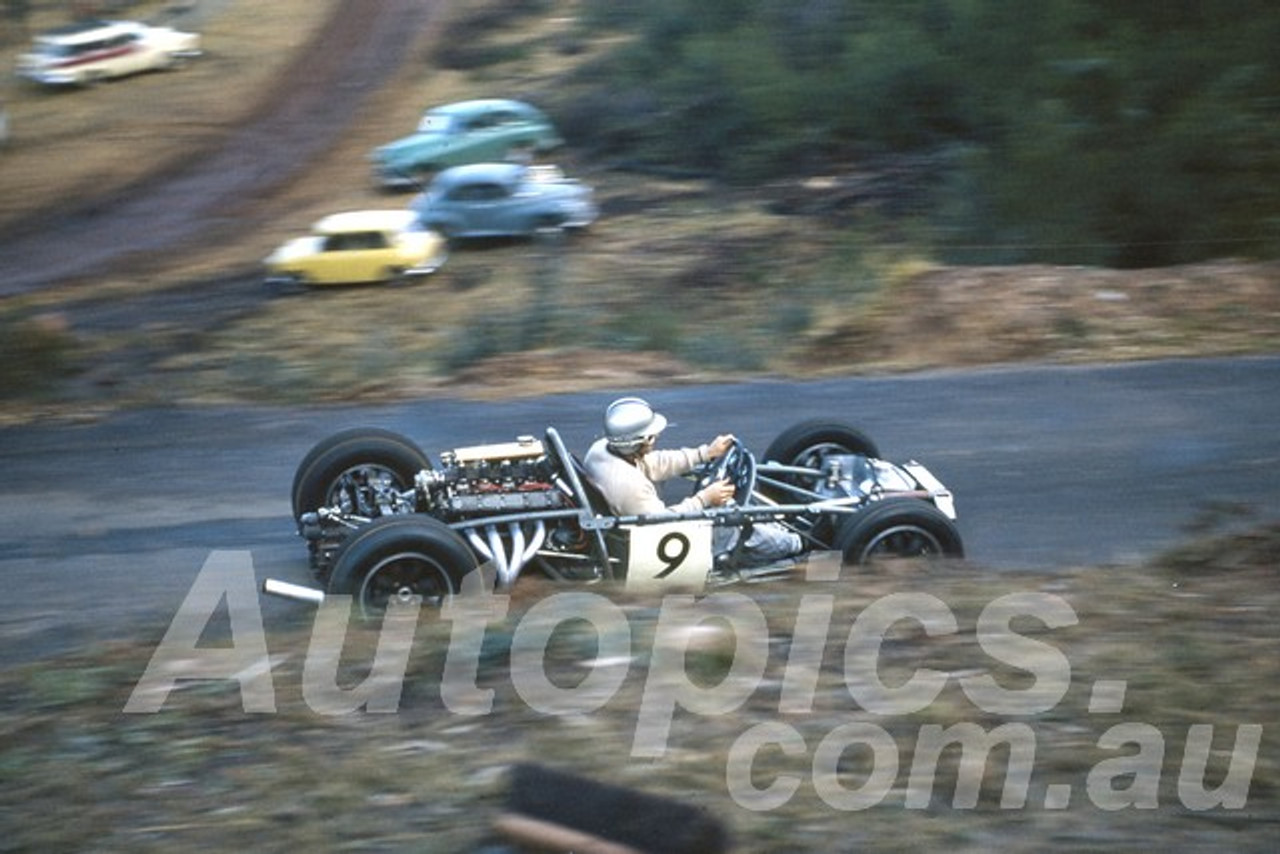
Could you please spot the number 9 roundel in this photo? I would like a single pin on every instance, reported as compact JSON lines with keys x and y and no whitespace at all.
{"x":676,"y":554}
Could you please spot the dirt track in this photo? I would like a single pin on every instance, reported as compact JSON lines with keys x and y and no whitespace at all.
{"x":214,"y":195}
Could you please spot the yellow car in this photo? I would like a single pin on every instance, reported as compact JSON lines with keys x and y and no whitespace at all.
{"x":357,"y":247}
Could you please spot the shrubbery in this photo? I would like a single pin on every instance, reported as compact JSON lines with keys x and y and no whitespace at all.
{"x":1117,"y":132}
{"x":35,"y":354}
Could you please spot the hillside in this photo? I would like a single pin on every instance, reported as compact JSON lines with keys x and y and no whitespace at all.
{"x":683,"y":279}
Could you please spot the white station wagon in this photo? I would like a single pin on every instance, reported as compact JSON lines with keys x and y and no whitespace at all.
{"x":88,"y":51}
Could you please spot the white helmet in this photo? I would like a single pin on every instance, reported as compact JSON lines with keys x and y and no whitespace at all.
{"x":629,"y":422}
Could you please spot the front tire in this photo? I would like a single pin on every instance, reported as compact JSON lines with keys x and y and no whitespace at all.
{"x":285,"y":285}
{"x":521,"y":152}
{"x":395,"y":558}
{"x":898,"y":528}
{"x":807,"y":444}
{"x":420,"y":176}
{"x":344,"y":467}
{"x":547,"y":228}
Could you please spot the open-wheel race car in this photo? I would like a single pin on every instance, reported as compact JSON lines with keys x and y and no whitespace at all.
{"x":383,"y":522}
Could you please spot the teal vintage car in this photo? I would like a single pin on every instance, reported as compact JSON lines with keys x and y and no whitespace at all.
{"x":490,"y":129}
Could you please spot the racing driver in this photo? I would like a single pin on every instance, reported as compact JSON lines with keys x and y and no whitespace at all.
{"x":625,"y":466}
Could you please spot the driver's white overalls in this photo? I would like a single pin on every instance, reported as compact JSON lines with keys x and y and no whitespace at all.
{"x":629,"y":485}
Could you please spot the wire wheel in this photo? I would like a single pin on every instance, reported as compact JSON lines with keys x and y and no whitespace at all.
{"x":400,"y":578}
{"x":901,"y":541}
{"x":898,"y":528}
{"x":397,"y":559}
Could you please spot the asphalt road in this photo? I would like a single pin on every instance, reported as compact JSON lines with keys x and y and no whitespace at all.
{"x":1053,"y":467}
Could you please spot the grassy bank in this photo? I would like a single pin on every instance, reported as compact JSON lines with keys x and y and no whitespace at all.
{"x":681,"y":280}
{"x":1190,"y":635}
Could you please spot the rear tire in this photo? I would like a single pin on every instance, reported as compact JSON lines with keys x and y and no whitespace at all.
{"x":398,"y":557}
{"x":898,"y":528}
{"x":330,"y":466}
{"x":285,"y":286}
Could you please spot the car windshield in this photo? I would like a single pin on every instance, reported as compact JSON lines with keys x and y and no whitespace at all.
{"x":355,"y":241}
{"x":435,"y":123}
{"x":543,"y":174}
{"x":478,"y":192}
{"x":53,"y":49}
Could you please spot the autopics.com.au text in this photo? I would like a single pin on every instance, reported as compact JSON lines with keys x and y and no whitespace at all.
{"x":1130,"y":776}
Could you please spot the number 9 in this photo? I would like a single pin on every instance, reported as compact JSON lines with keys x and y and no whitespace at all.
{"x":671,"y":557}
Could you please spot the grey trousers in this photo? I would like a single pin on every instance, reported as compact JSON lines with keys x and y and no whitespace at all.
{"x":767,"y":542}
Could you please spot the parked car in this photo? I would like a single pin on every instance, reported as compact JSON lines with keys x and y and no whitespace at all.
{"x":461,"y":133}
{"x":88,"y":51}
{"x":355,"y":247}
{"x":384,"y":522}
{"x":503,"y":200}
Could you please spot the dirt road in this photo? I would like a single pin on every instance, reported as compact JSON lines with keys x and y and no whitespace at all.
{"x":213,"y":196}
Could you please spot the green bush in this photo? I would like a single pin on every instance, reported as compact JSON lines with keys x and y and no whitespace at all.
{"x":36,"y":354}
{"x":463,"y":46}
{"x":1117,"y":132}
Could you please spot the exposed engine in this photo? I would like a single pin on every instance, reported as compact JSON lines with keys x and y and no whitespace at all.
{"x":511,"y":477}
{"x":851,"y":475}
{"x":480,"y":481}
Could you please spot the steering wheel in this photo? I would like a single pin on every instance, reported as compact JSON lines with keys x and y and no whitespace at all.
{"x":737,"y":466}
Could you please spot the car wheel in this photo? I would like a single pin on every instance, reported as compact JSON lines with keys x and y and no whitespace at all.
{"x":898,"y":528}
{"x":807,"y":444}
{"x":547,"y":224}
{"x":521,"y":152}
{"x":397,"y":558}
{"x":421,"y":175}
{"x":355,"y":469}
{"x":285,"y":285}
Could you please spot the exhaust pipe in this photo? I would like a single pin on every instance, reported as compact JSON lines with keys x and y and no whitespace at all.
{"x":294,"y":592}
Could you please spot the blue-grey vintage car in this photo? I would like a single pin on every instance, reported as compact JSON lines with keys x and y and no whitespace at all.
{"x":466,"y":132}
{"x":504,"y":200}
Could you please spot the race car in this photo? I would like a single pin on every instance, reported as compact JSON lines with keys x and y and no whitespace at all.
{"x":384,"y":523}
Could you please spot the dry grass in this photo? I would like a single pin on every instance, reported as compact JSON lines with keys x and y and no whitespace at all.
{"x":708,"y":281}
{"x":66,"y":144}
{"x":1191,"y":635}
{"x":979,"y":315}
